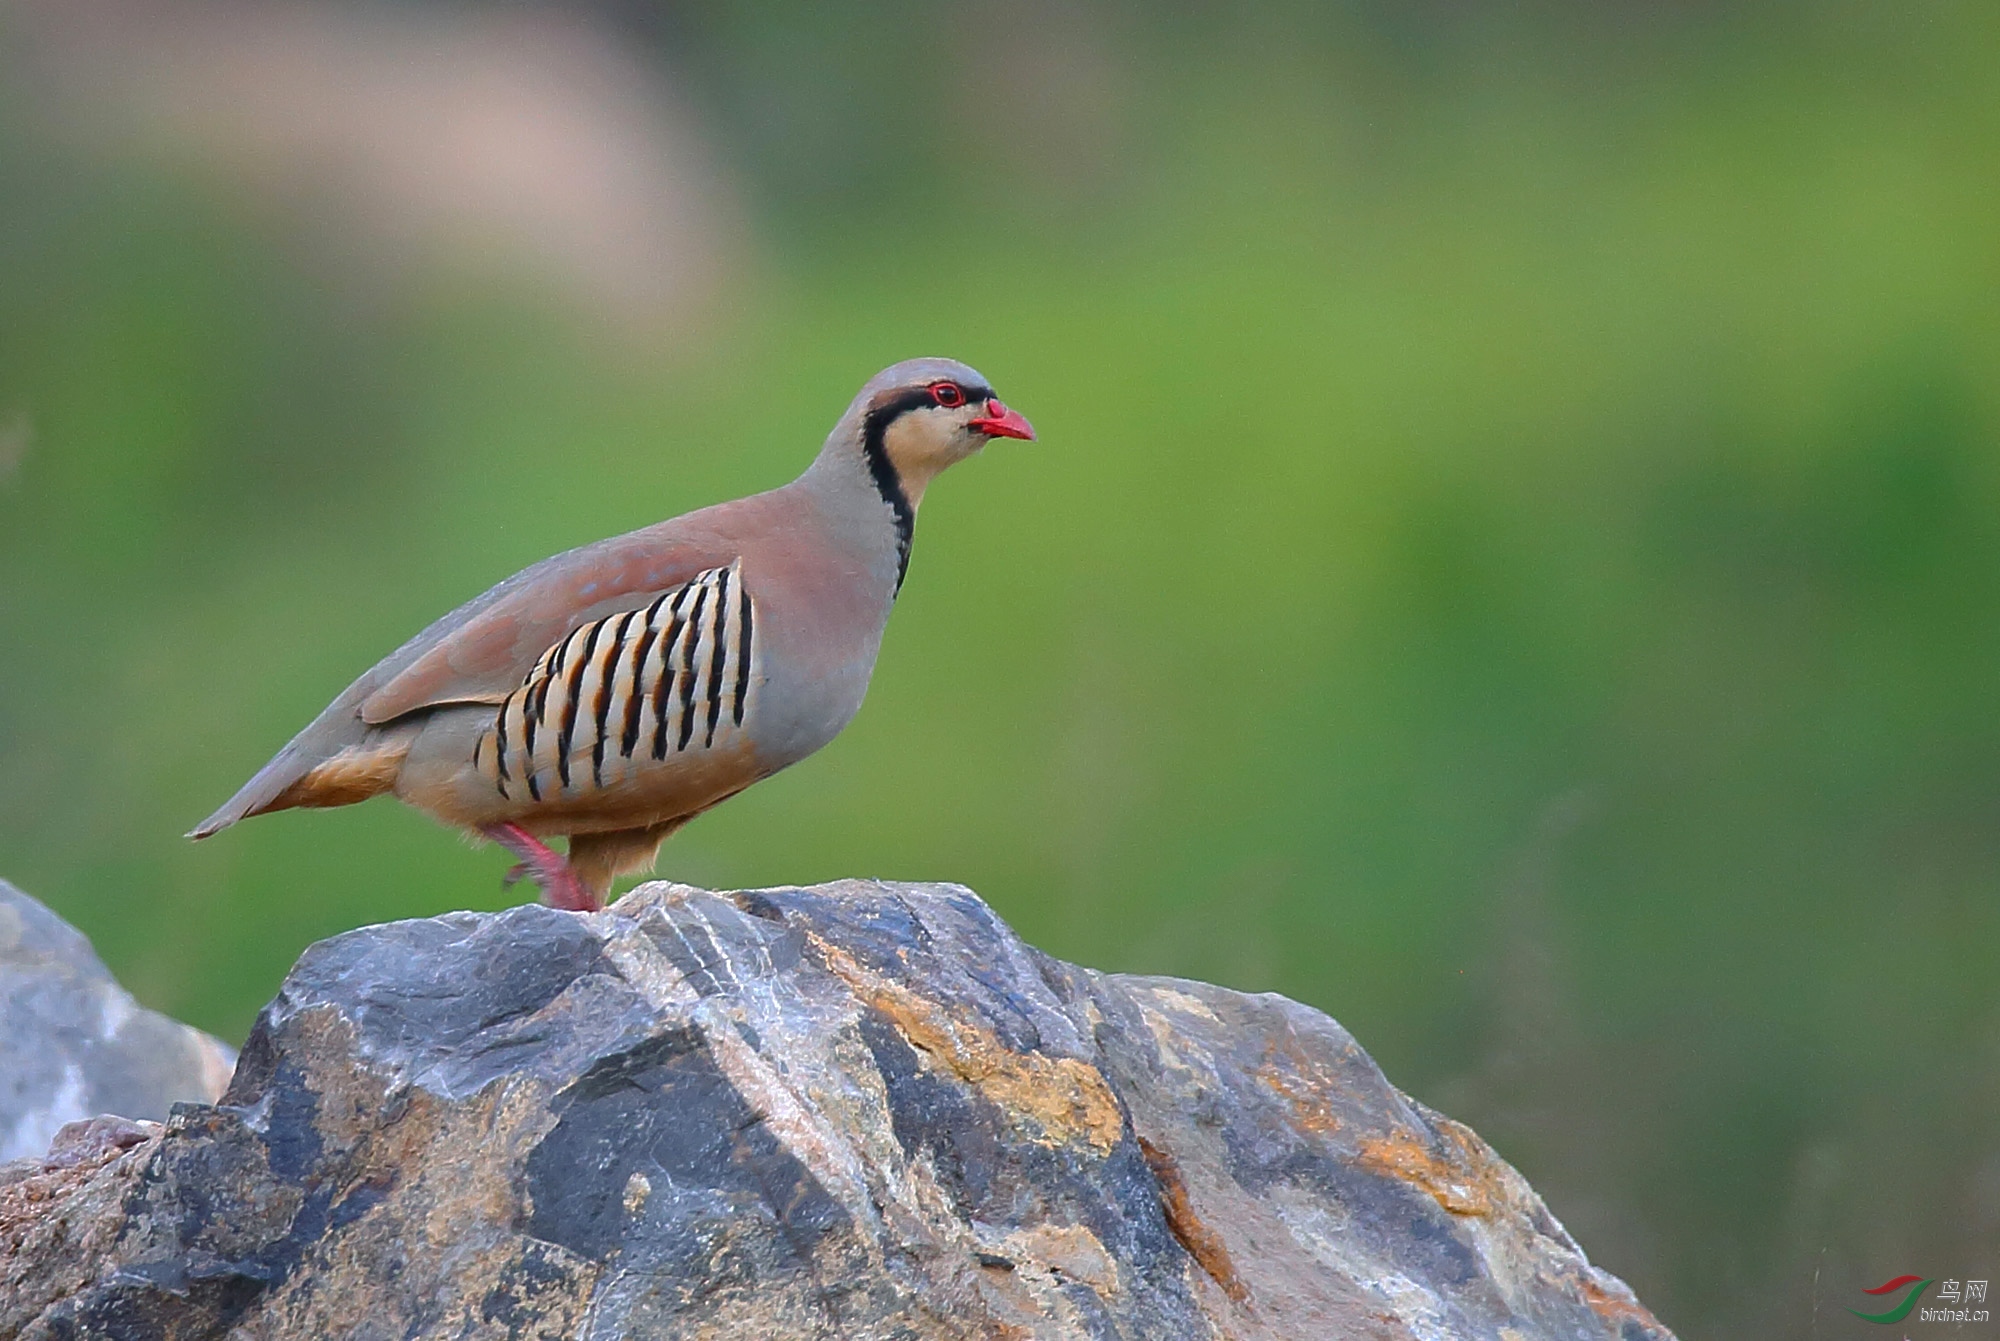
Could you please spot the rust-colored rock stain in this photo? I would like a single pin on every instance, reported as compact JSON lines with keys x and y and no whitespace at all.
{"x":1203,"y":1244}
{"x":1617,"y":1309}
{"x":1463,"y":1179}
{"x":1062,"y":1098}
{"x":1301,"y":1081}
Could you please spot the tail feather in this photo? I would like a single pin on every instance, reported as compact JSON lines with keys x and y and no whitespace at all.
{"x":328,"y":764}
{"x":259,"y":795}
{"x":339,"y":758}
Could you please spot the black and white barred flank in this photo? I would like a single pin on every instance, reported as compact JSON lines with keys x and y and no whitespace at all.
{"x":627,"y":689}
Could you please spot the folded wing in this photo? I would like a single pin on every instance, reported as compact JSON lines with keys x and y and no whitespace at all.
{"x":479,"y":653}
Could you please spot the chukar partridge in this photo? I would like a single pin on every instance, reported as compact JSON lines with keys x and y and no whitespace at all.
{"x":613,"y":693}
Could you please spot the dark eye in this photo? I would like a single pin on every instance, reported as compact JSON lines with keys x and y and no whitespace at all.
{"x":947,"y":394}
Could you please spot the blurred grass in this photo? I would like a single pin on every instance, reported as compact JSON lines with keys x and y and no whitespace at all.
{"x":1511,"y":561}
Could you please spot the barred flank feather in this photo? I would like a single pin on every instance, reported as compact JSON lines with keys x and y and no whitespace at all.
{"x":628,"y":690}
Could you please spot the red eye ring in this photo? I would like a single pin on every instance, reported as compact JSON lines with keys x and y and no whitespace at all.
{"x":948,"y":394}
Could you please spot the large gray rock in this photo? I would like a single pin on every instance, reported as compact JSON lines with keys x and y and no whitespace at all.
{"x":861,"y":1110}
{"x":73,"y":1043}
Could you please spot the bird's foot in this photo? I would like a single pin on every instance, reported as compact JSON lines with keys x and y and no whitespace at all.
{"x":548,"y":868}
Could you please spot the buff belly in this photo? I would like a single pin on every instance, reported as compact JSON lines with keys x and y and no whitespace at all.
{"x":449,"y":773}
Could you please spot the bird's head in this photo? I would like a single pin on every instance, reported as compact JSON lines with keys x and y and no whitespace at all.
{"x":923,"y":415}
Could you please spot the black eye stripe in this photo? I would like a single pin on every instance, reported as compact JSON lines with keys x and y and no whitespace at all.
{"x":894,"y":406}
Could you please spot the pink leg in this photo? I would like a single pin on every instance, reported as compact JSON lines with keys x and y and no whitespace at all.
{"x":544,"y":865}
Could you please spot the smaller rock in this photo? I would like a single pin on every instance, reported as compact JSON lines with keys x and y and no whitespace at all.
{"x":74,"y":1043}
{"x":94,"y":1140}
{"x":61,"y":1213}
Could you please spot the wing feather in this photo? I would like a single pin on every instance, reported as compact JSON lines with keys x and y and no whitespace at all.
{"x":494,"y":643}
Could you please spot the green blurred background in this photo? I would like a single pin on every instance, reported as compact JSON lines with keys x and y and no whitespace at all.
{"x":1512,"y":560}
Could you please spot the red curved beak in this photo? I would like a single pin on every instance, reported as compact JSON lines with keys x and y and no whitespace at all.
{"x":1001,"y":422}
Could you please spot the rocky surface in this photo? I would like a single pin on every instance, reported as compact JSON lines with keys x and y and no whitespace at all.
{"x":860,"y":1110}
{"x":73,"y":1043}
